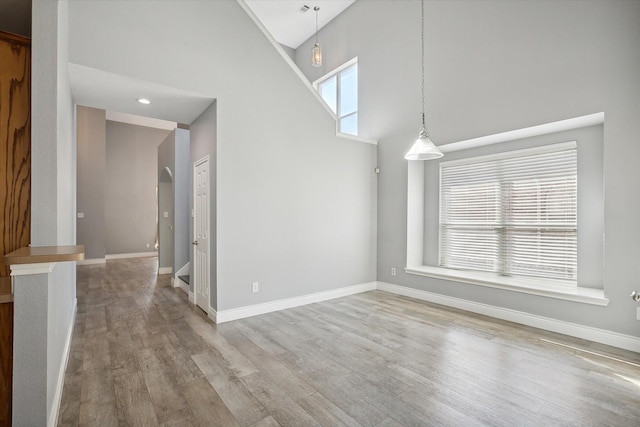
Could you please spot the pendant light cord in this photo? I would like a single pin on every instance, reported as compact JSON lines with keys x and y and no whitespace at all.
{"x":317,"y":8}
{"x":422,"y":52}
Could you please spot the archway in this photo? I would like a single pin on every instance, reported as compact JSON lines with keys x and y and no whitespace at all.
{"x":165,"y":222}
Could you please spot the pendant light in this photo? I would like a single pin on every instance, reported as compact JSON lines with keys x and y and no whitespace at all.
{"x":316,"y":52}
{"x":423,"y":148}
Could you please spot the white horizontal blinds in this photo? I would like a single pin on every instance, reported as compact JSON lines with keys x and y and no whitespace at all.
{"x":514,"y":213}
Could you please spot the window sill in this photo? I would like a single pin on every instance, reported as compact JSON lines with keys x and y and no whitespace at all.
{"x":532,"y":286}
{"x":357,"y":138}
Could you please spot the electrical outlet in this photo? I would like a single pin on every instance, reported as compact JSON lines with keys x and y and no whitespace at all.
{"x":148,"y":245}
{"x":393,"y":271}
{"x":638,"y":313}
{"x":256,"y":287}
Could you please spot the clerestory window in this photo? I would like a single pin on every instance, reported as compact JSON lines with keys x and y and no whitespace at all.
{"x":339,"y":89}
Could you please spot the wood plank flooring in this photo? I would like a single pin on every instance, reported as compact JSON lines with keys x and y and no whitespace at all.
{"x":141,"y":355}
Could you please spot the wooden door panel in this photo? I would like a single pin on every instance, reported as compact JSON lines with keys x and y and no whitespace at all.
{"x":15,"y":187}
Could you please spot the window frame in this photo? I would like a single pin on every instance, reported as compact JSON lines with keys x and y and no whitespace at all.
{"x":337,"y":72}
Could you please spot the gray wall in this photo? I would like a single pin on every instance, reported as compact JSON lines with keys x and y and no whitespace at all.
{"x":53,"y":195}
{"x":91,"y":142}
{"x":181,"y":191}
{"x":166,"y":168}
{"x":494,"y":66}
{"x":131,"y":179}
{"x":173,"y":154}
{"x":204,"y":139}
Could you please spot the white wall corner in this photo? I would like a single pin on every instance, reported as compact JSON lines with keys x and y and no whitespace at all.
{"x":415,"y":213}
{"x":212,"y":314}
{"x":191,"y":296}
{"x":602,"y":336}
{"x":52,"y":420}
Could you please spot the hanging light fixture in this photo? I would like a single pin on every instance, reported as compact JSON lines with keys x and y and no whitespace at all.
{"x":423,"y":148}
{"x":316,"y":52}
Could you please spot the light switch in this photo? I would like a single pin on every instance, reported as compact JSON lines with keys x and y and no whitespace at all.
{"x":80,"y":214}
{"x":166,"y":215}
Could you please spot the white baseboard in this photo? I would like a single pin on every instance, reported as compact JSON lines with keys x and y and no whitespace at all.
{"x":183,"y":286}
{"x":91,"y":261}
{"x":57,"y":398}
{"x":165,"y":270}
{"x":192,"y":298}
{"x":268,"y":307}
{"x":132,"y":255}
{"x":602,"y":336}
{"x":213,"y":315}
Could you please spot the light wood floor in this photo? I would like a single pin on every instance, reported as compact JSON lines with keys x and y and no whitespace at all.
{"x":142,"y":355}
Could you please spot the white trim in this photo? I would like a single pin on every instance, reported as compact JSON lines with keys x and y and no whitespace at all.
{"x":174,"y":282}
{"x":182,"y":285}
{"x":28,"y":269}
{"x":355,"y":137}
{"x":602,"y":336}
{"x":271,"y":306}
{"x":541,"y":149}
{"x":165,"y":270}
{"x":57,"y":398}
{"x":540,"y":287}
{"x":295,"y":68}
{"x":212,"y":314}
{"x":561,"y":125}
{"x":336,"y":70}
{"x":132,"y":255}
{"x":192,"y":299}
{"x":140,"y":121}
{"x":91,"y":261}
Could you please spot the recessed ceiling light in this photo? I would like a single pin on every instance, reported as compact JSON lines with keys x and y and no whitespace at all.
{"x":144,"y":101}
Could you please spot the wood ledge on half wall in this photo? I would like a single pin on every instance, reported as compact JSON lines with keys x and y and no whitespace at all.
{"x":43,"y":254}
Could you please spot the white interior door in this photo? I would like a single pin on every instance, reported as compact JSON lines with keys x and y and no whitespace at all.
{"x":201,"y":231}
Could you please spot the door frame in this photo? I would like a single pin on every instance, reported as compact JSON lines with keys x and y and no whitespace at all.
{"x":197,"y":163}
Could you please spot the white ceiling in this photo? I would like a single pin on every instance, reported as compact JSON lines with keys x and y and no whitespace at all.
{"x":114,"y":92}
{"x":282,"y":18}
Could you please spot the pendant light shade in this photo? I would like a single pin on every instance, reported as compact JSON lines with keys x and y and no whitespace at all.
{"x":316,"y":52}
{"x":316,"y":55}
{"x":423,"y":148}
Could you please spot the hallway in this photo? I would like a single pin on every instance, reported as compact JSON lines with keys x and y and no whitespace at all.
{"x":143,"y":355}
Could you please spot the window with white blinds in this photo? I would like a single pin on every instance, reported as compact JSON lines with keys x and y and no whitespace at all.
{"x":514,"y":213}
